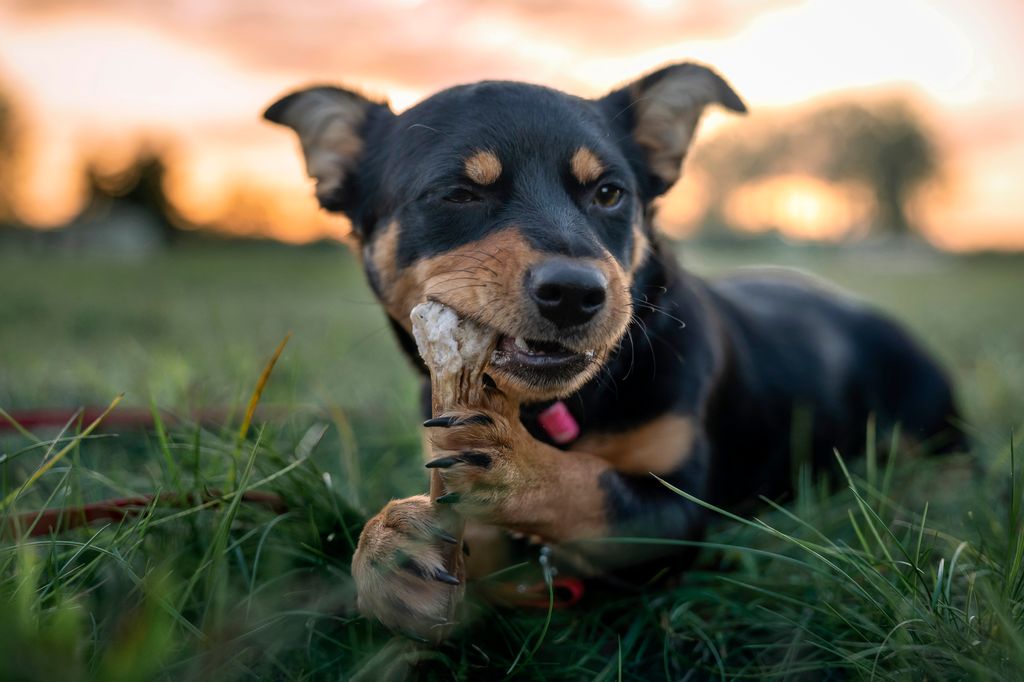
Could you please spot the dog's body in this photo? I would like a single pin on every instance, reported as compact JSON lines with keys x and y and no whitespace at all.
{"x":529,"y":211}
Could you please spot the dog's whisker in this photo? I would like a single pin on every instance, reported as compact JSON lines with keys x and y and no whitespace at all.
{"x":425,"y":127}
{"x":467,"y":269}
{"x":467,"y":278}
{"x":632,"y":353}
{"x":481,"y":263}
{"x":654,"y":355}
{"x":436,"y":291}
{"x":661,"y":311}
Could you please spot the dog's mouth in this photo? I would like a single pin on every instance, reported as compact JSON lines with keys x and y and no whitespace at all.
{"x":538,"y":354}
{"x":539,"y":367}
{"x":540,"y":364}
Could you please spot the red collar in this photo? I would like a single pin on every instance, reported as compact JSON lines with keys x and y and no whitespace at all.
{"x":558,"y":422}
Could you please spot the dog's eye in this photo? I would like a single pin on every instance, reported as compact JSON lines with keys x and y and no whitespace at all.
{"x":608,"y":196}
{"x":460,"y":195}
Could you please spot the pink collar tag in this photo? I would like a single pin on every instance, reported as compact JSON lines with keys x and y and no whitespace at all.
{"x":559,"y":423}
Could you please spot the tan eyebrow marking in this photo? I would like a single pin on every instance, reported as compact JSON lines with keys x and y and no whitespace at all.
{"x":483,"y":167}
{"x":585,"y":166}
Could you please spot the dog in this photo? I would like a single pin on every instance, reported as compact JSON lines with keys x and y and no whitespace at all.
{"x":530,"y":211}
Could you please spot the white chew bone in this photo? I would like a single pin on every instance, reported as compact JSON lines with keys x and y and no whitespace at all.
{"x":456,"y":352}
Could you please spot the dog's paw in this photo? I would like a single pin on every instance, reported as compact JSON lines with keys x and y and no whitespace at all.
{"x":486,"y":463}
{"x":399,"y":570}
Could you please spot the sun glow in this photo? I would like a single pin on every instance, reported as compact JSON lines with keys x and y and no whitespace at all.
{"x":800,"y":206}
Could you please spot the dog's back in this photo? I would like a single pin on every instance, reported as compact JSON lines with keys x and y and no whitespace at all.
{"x":807,"y":367}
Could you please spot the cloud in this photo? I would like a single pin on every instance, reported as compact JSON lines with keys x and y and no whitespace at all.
{"x":420,"y":45}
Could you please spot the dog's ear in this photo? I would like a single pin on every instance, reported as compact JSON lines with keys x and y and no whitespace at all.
{"x":660,"y":112}
{"x":332,"y":125}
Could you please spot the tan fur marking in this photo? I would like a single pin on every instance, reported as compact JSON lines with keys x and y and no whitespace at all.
{"x":585,"y":166}
{"x":582,"y":512}
{"x":382,"y":253}
{"x":483,"y":167}
{"x":476,"y":278}
{"x":658,"y":447}
{"x":641,"y":246}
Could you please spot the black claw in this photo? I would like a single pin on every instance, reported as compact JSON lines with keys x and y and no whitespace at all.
{"x":446,"y":536}
{"x":445,"y":422}
{"x":448,"y":498}
{"x":446,"y":577}
{"x":465,"y":548}
{"x":475,"y":458}
{"x":471,"y":457}
{"x":442,"y":422}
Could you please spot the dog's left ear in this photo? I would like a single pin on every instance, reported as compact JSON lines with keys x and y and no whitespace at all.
{"x":660,"y":112}
{"x":333,"y":125}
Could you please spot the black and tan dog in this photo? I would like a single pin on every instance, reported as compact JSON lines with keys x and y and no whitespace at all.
{"x":529,"y":211}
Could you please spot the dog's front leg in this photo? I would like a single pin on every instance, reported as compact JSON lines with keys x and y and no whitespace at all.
{"x":497,"y":473}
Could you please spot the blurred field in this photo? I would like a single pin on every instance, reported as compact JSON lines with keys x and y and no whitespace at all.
{"x":189,"y":327}
{"x":182,"y":597}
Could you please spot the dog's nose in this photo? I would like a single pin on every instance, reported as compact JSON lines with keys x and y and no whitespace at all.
{"x":565,"y":292}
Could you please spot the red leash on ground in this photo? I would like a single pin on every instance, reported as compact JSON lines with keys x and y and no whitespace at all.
{"x":565,"y":592}
{"x":47,"y":521}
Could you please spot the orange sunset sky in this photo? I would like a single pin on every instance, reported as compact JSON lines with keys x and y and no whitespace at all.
{"x":91,"y":76}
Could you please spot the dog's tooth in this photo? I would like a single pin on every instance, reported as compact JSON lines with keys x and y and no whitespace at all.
{"x":522,"y":345}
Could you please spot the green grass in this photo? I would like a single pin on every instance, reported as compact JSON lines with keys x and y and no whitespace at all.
{"x":909,"y":569}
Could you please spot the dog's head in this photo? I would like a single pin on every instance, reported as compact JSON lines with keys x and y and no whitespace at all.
{"x":519,"y":206}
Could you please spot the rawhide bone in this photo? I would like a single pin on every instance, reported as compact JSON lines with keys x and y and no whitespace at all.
{"x":456,"y":351}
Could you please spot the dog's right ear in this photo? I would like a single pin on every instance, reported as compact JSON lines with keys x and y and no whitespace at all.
{"x":660,"y":113}
{"x":332,"y":125}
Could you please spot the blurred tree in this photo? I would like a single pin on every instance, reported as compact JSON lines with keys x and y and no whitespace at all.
{"x":884,"y":147}
{"x":138,"y":187}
